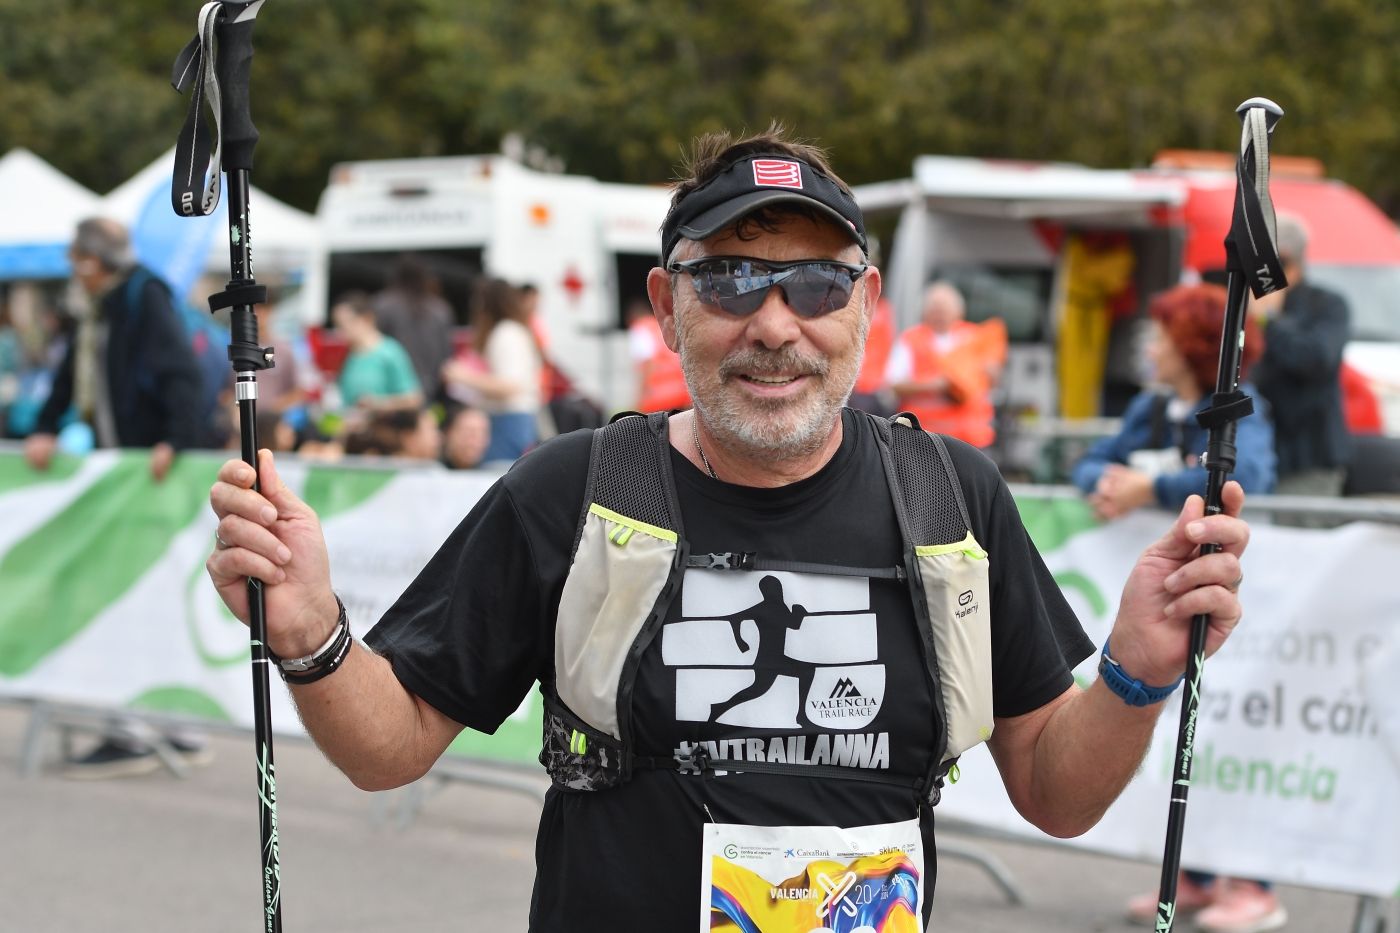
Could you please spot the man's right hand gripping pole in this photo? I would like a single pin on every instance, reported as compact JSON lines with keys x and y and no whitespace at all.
{"x":274,"y":536}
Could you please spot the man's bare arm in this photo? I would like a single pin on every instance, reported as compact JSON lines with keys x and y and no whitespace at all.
{"x":360,"y":715}
{"x":1064,"y":763}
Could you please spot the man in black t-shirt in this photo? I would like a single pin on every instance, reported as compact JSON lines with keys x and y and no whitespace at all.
{"x":800,"y":695}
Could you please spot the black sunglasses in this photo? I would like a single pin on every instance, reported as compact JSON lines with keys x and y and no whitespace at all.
{"x":739,"y":286}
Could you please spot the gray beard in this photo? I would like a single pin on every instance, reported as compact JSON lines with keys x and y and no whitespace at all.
{"x":798,"y":429}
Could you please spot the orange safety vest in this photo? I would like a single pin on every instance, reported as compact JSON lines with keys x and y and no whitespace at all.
{"x":663,"y":385}
{"x":965,"y":364}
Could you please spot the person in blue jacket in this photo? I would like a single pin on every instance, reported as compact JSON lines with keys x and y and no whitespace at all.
{"x":1155,"y":459}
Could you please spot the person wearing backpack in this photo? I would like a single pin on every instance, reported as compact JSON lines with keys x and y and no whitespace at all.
{"x":873,"y":581}
{"x":130,"y":372}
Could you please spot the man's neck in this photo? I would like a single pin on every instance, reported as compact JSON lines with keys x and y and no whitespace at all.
{"x":757,"y":469}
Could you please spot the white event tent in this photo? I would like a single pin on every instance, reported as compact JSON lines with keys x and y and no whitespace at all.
{"x":282,"y":236}
{"x":39,"y":207}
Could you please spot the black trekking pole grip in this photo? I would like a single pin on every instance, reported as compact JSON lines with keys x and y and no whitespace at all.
{"x":234,"y":66}
{"x":1253,"y":265}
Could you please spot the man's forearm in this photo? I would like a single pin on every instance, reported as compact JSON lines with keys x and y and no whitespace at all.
{"x":369,"y":726}
{"x":1089,"y":751}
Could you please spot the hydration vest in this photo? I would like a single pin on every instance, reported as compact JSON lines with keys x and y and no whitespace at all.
{"x":629,"y":558}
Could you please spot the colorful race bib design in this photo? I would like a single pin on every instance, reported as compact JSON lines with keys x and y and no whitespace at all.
{"x":812,"y":879}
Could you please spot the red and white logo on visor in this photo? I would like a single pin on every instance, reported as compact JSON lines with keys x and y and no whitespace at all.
{"x":777,"y":173}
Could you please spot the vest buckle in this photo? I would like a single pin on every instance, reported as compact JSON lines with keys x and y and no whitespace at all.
{"x":729,"y":560}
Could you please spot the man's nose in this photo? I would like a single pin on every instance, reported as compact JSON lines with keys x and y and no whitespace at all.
{"x":774,"y":324}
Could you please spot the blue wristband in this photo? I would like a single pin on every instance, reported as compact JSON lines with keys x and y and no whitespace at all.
{"x":1129,"y":689}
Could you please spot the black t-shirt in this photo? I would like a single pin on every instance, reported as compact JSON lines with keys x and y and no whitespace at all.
{"x":801,"y":668}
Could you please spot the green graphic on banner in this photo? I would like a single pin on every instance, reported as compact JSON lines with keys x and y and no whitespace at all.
{"x":15,"y":473}
{"x":182,"y":701}
{"x":517,"y":740}
{"x":198,"y":582}
{"x":1076,"y":581}
{"x":1053,"y":521}
{"x":330,"y":491}
{"x":60,"y":577}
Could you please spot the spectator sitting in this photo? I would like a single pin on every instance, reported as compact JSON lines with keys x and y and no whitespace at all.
{"x":398,"y":432}
{"x":377,"y":373}
{"x":465,"y":436}
{"x":1154,"y":458}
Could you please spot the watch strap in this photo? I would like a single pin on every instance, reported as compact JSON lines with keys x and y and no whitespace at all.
{"x":1127,"y":688}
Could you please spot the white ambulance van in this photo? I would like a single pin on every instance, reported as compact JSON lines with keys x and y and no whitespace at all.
{"x":586,"y":245}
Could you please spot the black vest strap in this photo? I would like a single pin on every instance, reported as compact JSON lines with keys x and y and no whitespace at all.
{"x":748,"y":560}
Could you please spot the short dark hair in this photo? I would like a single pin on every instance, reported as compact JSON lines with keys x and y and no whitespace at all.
{"x":358,"y":302}
{"x":712,"y":153}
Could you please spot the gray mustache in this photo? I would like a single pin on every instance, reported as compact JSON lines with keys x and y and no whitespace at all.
{"x":772,"y":363}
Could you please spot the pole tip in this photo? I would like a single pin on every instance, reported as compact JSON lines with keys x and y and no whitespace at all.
{"x":1272,"y":111}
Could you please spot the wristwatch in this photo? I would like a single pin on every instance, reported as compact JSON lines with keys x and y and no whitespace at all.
{"x":1129,"y":689}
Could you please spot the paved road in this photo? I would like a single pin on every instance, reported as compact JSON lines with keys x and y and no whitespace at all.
{"x":156,"y":853}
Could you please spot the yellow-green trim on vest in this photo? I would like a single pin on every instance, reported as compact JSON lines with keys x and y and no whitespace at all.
{"x":620,"y":519}
{"x":967,"y":545}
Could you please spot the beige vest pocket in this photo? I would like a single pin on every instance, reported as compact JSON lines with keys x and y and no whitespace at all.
{"x":619,"y":569}
{"x":957,"y":594}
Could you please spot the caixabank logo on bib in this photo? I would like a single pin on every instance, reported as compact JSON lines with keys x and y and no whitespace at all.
{"x":782,"y":652}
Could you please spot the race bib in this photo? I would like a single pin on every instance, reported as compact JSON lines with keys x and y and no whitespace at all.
{"x":812,"y":879}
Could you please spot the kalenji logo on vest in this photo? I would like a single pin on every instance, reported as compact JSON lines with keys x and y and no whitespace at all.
{"x":777,"y":173}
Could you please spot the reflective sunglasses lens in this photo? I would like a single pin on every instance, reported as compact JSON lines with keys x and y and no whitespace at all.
{"x":739,"y":287}
{"x":818,"y":288}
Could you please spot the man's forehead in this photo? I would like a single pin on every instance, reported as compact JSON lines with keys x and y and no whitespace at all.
{"x":787,"y":233}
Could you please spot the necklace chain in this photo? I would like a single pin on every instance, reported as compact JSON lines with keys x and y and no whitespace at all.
{"x":695,"y":435}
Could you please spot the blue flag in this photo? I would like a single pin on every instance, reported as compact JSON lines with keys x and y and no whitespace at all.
{"x":174,"y":247}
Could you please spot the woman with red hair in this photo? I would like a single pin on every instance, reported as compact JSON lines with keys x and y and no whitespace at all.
{"x":1156,"y":458}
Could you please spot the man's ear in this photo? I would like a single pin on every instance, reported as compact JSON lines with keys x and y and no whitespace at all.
{"x":663,"y":304}
{"x":873,"y":285}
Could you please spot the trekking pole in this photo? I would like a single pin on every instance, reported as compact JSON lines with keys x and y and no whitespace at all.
{"x":216,"y":62}
{"x":1251,"y":261}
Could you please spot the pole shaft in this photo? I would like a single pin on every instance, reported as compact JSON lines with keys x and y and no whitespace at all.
{"x":1227,"y":380}
{"x":245,"y":326}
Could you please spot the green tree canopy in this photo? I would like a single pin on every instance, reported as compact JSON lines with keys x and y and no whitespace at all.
{"x":615,"y":88}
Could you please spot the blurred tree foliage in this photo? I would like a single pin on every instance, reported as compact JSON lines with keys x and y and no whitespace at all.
{"x":614,"y":88}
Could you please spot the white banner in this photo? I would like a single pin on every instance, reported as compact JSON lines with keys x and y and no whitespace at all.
{"x":1296,"y":776}
{"x":1297,"y":770}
